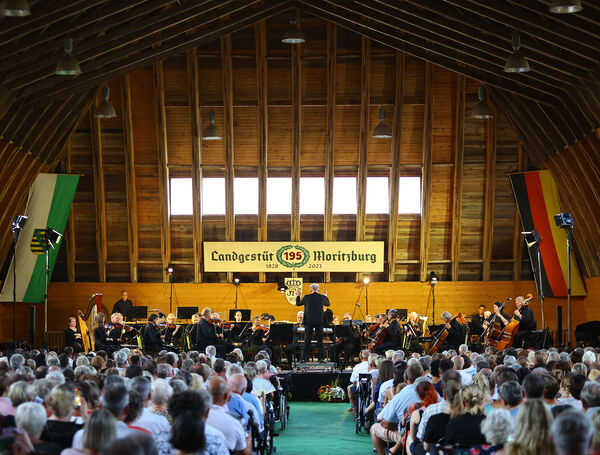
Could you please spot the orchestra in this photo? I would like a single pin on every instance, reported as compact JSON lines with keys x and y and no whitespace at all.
{"x":343,"y":336}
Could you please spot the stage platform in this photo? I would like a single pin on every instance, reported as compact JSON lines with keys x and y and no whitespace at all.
{"x":306,"y":382}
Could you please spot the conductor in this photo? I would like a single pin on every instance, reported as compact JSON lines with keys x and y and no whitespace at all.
{"x":314,"y":319}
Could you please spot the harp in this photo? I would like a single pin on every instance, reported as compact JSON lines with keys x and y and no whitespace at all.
{"x":87,"y":319}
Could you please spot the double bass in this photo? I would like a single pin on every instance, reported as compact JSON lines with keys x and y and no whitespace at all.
{"x":493,"y":333}
{"x":442,"y":337}
{"x":510,"y":330}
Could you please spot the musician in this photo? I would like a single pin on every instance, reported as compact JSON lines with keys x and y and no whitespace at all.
{"x":257,"y":335}
{"x":314,"y":319}
{"x":290,"y":349}
{"x":501,"y":316}
{"x":300,"y":317}
{"x":346,"y":338}
{"x":393,"y":334}
{"x":173,"y":332}
{"x":112,"y":332}
{"x":123,"y":306}
{"x":101,"y":341}
{"x":527,"y":323}
{"x":190,"y":332}
{"x":336,"y":320}
{"x":413,"y":329}
{"x":73,"y":336}
{"x":206,"y":335}
{"x":477,"y":321}
{"x":455,"y":333}
{"x":152,"y":339}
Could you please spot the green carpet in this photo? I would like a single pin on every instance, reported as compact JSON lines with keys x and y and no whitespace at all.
{"x":321,"y":428}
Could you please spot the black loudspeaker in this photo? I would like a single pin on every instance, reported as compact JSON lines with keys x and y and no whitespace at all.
{"x":540,"y":339}
{"x":32,"y":326}
{"x":587,"y":333}
{"x":559,"y":332}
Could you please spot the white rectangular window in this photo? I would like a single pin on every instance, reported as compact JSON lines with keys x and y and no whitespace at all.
{"x":409,"y":195}
{"x":279,"y":195}
{"x":181,"y":196}
{"x":378,"y":199}
{"x":245,"y":196}
{"x":344,"y":195}
{"x":312,"y":196}
{"x":213,"y":196}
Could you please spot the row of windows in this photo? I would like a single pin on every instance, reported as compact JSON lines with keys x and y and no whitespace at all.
{"x":279,"y":196}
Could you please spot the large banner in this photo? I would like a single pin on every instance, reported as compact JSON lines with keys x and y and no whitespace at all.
{"x":293,"y":256}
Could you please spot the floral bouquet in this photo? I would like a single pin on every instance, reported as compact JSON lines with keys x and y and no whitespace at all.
{"x":332,"y":393}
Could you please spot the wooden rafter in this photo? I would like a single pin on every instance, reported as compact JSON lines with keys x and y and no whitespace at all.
{"x":70,"y":237}
{"x":99,"y":196}
{"x":426,"y":171}
{"x":329,"y":144}
{"x":227,"y":69}
{"x":457,"y":183}
{"x":296,"y":139}
{"x":490,"y":194}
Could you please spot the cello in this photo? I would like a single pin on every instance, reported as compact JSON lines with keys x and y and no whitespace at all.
{"x":493,"y":333}
{"x":442,"y":337}
{"x":510,"y":330}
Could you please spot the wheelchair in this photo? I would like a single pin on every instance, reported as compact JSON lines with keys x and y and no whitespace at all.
{"x":363,"y":399}
{"x":281,"y":400}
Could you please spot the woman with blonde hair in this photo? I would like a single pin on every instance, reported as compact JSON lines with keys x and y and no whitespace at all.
{"x":99,"y":430}
{"x":466,"y":415}
{"x":532,"y":435}
{"x":59,"y":428}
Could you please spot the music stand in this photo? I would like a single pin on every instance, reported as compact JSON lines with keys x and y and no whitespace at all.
{"x":246,"y":314}
{"x":186,"y":312}
{"x":139,"y":312}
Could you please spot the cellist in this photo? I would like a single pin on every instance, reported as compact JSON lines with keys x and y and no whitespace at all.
{"x":393,"y":335}
{"x":501,"y":316}
{"x":527,"y":323}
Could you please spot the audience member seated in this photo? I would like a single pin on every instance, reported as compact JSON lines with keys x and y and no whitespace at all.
{"x":532,"y":430}
{"x":31,"y":418}
{"x":59,"y":428}
{"x":99,"y":430}
{"x":466,"y":415}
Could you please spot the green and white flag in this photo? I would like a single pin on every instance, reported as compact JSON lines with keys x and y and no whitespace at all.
{"x":48,"y":206}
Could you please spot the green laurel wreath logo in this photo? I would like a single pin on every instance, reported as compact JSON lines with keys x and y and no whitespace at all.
{"x":285,"y":263}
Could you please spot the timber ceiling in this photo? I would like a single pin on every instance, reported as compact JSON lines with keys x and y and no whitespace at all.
{"x":551,"y":107}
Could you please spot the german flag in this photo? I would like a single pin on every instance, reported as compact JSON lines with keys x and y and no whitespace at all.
{"x":537,"y":199}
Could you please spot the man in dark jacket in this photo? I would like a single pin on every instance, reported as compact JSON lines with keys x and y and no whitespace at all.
{"x":206,"y":335}
{"x":527,"y":323}
{"x":314,"y":319}
{"x":152,"y":340}
{"x":455,"y":333}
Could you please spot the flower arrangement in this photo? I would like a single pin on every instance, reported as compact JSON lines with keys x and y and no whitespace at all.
{"x":332,"y":393}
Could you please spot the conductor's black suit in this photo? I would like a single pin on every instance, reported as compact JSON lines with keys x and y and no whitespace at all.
{"x":313,"y":320}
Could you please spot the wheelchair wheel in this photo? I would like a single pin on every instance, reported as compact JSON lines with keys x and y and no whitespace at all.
{"x":283,"y":411}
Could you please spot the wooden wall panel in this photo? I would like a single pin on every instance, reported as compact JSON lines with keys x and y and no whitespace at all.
{"x":179,"y":135}
{"x":314,"y":136}
{"x":244,"y":79}
{"x":348,"y":79}
{"x":441,"y":213}
{"x":383,"y":81}
{"x":313,"y":80}
{"x":245,"y":139}
{"x":280,"y":136}
{"x":346,"y":133}
{"x":175,"y":82}
{"x":444,"y":96}
{"x":211,"y":79}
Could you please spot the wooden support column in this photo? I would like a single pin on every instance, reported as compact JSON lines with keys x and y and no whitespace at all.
{"x":196,"y":130}
{"x":329,"y":149}
{"x":490,"y":195}
{"x":132,"y":233}
{"x":517,"y":242}
{"x":426,"y":170}
{"x":227,"y":68}
{"x":260,"y":32}
{"x":71,"y":248}
{"x":99,"y":195}
{"x":163,"y":168}
{"x":395,"y":171}
{"x":459,"y":152}
{"x":365,"y":98}
{"x":296,"y":139}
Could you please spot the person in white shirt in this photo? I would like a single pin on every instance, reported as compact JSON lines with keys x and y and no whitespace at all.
{"x":360,"y":368}
{"x":236,"y":439}
{"x":115,"y":400}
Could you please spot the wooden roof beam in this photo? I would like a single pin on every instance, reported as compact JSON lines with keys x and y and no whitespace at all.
{"x":150,"y":55}
{"x":394,"y":39}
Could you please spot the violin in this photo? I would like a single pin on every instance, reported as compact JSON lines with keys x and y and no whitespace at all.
{"x":261,"y":327}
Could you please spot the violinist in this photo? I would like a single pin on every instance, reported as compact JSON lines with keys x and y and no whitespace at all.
{"x":114,"y":330}
{"x":152,"y":339}
{"x":236,"y":328}
{"x":257,"y":335}
{"x":73,"y":336}
{"x":101,"y":341}
{"x":206,"y":335}
{"x":477,"y":321}
{"x":393,"y":333}
{"x":173,"y":331}
{"x":527,"y":323}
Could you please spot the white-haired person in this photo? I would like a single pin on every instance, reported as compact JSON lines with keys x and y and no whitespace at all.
{"x":497,"y":427}
{"x":572,"y":433}
{"x":161,"y":392}
{"x":31,"y":418}
{"x":455,"y":333}
{"x":314,"y":319}
{"x":20,"y":392}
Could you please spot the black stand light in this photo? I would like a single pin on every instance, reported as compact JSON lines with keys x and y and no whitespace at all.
{"x":433,"y":280}
{"x":51,"y":238}
{"x":170,"y":275}
{"x":565,"y":221}
{"x":366,"y":283}
{"x":16,"y":227}
{"x":534,"y":238}
{"x":236,"y":283}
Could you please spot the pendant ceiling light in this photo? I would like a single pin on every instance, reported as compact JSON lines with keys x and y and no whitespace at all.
{"x":565,"y":6}
{"x":516,"y":62}
{"x":482,"y":110}
{"x":68,"y":65}
{"x":293,"y":35}
{"x":15,"y":8}
{"x":211,"y":133}
{"x":105,"y":110}
{"x":382,"y":131}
